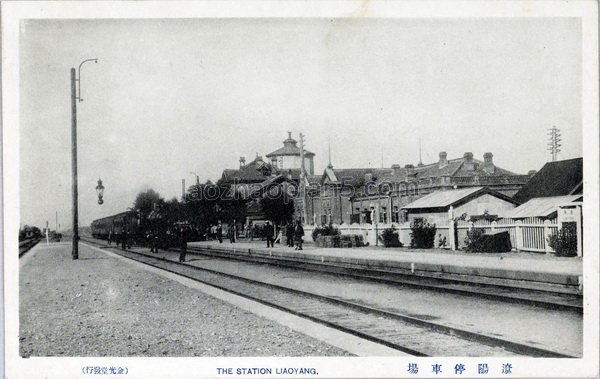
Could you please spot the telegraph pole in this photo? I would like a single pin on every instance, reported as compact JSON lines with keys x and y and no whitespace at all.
{"x":74,"y":98}
{"x":75,"y":252}
{"x":554,"y":143}
{"x":302,"y":180}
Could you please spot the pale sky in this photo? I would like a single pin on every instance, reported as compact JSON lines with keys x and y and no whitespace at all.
{"x":169,"y":97}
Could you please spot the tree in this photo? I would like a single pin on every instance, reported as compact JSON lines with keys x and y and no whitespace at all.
{"x":202,"y":205}
{"x":172,"y":211}
{"x":145,"y":201}
{"x":277,"y":205}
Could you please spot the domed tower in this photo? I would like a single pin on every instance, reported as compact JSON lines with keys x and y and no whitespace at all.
{"x":288,"y":157}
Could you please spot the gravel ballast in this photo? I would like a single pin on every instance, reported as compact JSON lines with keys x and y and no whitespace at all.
{"x":101,"y":306}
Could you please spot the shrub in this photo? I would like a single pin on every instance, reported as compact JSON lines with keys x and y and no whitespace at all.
{"x":564,"y":242}
{"x":485,"y":216}
{"x":390,"y":238}
{"x":315,"y":233}
{"x":336,"y":240}
{"x":422,"y":234}
{"x":326,"y":230}
{"x":472,"y":241}
{"x":359,"y":240}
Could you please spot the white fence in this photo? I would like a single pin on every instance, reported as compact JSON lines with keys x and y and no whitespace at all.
{"x":529,"y":234}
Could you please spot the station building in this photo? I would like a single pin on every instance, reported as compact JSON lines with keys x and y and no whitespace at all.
{"x":281,"y":168}
{"x":364,"y":196}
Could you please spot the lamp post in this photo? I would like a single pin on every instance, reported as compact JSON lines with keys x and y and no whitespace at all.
{"x":100,"y":191}
{"x":74,"y":98}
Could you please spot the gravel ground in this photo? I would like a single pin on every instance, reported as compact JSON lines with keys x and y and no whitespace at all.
{"x":100,"y":306}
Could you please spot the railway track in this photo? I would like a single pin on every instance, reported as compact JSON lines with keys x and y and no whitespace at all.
{"x":404,"y":333}
{"x":538,"y":298}
{"x":26,"y":245}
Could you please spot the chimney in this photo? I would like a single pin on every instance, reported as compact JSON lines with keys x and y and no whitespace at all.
{"x":468,"y":161}
{"x":443,"y":159}
{"x":242,"y":162}
{"x":532,"y":172}
{"x":258,"y":158}
{"x":488,"y":163}
{"x":396,"y":169}
{"x":410,"y":170}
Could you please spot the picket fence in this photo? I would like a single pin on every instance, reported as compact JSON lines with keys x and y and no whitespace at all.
{"x":530,"y":234}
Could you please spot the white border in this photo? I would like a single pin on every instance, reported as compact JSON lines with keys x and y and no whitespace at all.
{"x":14,"y":12}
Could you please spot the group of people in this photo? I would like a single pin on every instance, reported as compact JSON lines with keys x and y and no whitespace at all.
{"x":218,"y":232}
{"x":294,"y":234}
{"x":177,"y":235}
{"x":119,"y":239}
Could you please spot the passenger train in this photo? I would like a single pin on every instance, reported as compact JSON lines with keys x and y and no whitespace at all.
{"x":115,"y":224}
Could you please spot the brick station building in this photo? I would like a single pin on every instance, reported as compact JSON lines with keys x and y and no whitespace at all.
{"x":378,"y":194}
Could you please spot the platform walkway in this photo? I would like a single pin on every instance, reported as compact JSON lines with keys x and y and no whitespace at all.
{"x":523,"y":267}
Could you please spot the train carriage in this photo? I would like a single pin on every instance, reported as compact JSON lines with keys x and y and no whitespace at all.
{"x":115,"y":224}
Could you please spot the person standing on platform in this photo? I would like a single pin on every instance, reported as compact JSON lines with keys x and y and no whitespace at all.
{"x":231,"y":233}
{"x":124,"y":239}
{"x":220,"y":232}
{"x":182,"y":244}
{"x":108,"y":239}
{"x":289,"y":234}
{"x":299,"y":235}
{"x":154,"y":242}
{"x":269,"y":231}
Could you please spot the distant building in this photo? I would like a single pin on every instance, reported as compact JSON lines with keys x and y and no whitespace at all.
{"x":438,"y":207}
{"x":560,"y":178}
{"x":285,"y":161}
{"x":283,"y":167}
{"x":288,"y":157}
{"x":367,"y":195}
{"x":254,"y":172}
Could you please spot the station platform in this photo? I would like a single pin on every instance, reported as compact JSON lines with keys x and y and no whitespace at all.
{"x":519,"y":270}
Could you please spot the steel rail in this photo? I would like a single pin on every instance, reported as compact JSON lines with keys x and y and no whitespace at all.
{"x":504,"y":293}
{"x":470,"y":336}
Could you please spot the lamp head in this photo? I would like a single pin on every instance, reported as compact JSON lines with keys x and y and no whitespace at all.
{"x":100,"y":191}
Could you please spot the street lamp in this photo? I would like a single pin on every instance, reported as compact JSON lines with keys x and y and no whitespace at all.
{"x":100,"y":191}
{"x":74,"y":98}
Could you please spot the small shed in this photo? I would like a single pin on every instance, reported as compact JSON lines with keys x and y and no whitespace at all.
{"x":554,"y":212}
{"x":544,"y":207}
{"x":440,"y":206}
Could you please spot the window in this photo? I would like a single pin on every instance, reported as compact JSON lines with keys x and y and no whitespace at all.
{"x":368,"y":214}
{"x":383,"y":215}
{"x":395,"y":214}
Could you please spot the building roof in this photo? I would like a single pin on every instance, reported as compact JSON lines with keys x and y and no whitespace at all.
{"x":289,"y":148}
{"x":254,"y":172}
{"x":542,"y":206}
{"x":453,"y":167}
{"x":258,"y":189}
{"x":354,"y":176}
{"x":558,"y":178}
{"x":447,"y":198}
